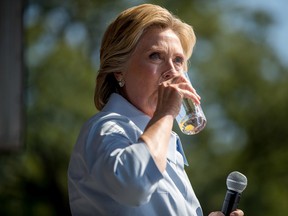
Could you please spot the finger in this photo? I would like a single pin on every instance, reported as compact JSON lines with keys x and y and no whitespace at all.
{"x":183,"y":87}
{"x":237,"y":212}
{"x":185,"y":83}
{"x":218,"y":213}
{"x":188,"y":94}
{"x":189,"y":88}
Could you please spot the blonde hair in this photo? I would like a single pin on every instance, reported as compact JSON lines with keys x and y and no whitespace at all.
{"x":121,"y":38}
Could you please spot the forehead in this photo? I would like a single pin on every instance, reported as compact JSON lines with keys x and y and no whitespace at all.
{"x":159,"y":38}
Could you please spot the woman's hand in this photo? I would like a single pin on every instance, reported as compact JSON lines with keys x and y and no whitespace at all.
{"x":237,"y":212}
{"x":170,"y":95}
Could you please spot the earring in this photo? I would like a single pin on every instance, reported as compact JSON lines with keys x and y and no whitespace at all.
{"x":121,"y":83}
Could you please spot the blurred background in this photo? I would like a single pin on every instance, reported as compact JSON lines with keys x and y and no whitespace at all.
{"x":239,"y":67}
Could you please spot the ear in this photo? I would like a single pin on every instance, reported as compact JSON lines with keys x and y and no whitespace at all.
{"x":118,"y":76}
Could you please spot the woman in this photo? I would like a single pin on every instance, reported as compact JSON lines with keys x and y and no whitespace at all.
{"x":127,"y":160}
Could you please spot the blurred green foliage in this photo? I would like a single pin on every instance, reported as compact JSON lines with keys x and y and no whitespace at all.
{"x":242,"y":82}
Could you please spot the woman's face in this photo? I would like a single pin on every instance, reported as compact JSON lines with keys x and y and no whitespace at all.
{"x":158,"y":51}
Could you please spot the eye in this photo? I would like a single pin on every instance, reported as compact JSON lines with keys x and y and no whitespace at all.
{"x":179,"y":60}
{"x":155,"y":56}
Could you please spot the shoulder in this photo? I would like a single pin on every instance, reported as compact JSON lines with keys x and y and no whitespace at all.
{"x":109,"y":123}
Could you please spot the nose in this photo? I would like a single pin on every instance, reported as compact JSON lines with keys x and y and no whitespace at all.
{"x":168,"y":74}
{"x":170,"y":71}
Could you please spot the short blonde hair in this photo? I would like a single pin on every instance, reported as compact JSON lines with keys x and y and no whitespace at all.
{"x":121,"y":38}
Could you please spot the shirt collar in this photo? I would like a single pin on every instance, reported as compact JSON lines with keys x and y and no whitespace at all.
{"x":176,"y":145}
{"x":120,"y":105}
{"x":171,"y":155}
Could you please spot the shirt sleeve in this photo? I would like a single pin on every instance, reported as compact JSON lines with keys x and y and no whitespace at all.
{"x":119,"y":164}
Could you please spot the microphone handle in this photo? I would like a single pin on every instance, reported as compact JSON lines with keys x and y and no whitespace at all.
{"x":231,"y":201}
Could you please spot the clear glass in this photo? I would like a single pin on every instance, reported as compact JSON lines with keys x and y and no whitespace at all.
{"x":191,"y":119}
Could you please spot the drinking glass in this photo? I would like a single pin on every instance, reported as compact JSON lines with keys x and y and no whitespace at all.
{"x":191,"y":119}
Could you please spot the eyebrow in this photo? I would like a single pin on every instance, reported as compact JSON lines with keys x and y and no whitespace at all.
{"x":156,"y":47}
{"x":162,"y":50}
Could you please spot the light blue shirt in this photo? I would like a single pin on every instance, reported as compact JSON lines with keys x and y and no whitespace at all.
{"x":112,"y":172}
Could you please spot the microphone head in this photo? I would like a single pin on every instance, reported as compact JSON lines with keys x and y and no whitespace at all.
{"x":236,"y":181}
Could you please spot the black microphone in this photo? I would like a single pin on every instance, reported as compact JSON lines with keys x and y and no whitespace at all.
{"x":236,"y":184}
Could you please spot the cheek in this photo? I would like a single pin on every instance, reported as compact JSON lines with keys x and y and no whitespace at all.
{"x":142,"y":77}
{"x":144,"y":80}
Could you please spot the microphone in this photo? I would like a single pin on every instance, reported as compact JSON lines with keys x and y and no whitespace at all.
{"x":236,"y":183}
